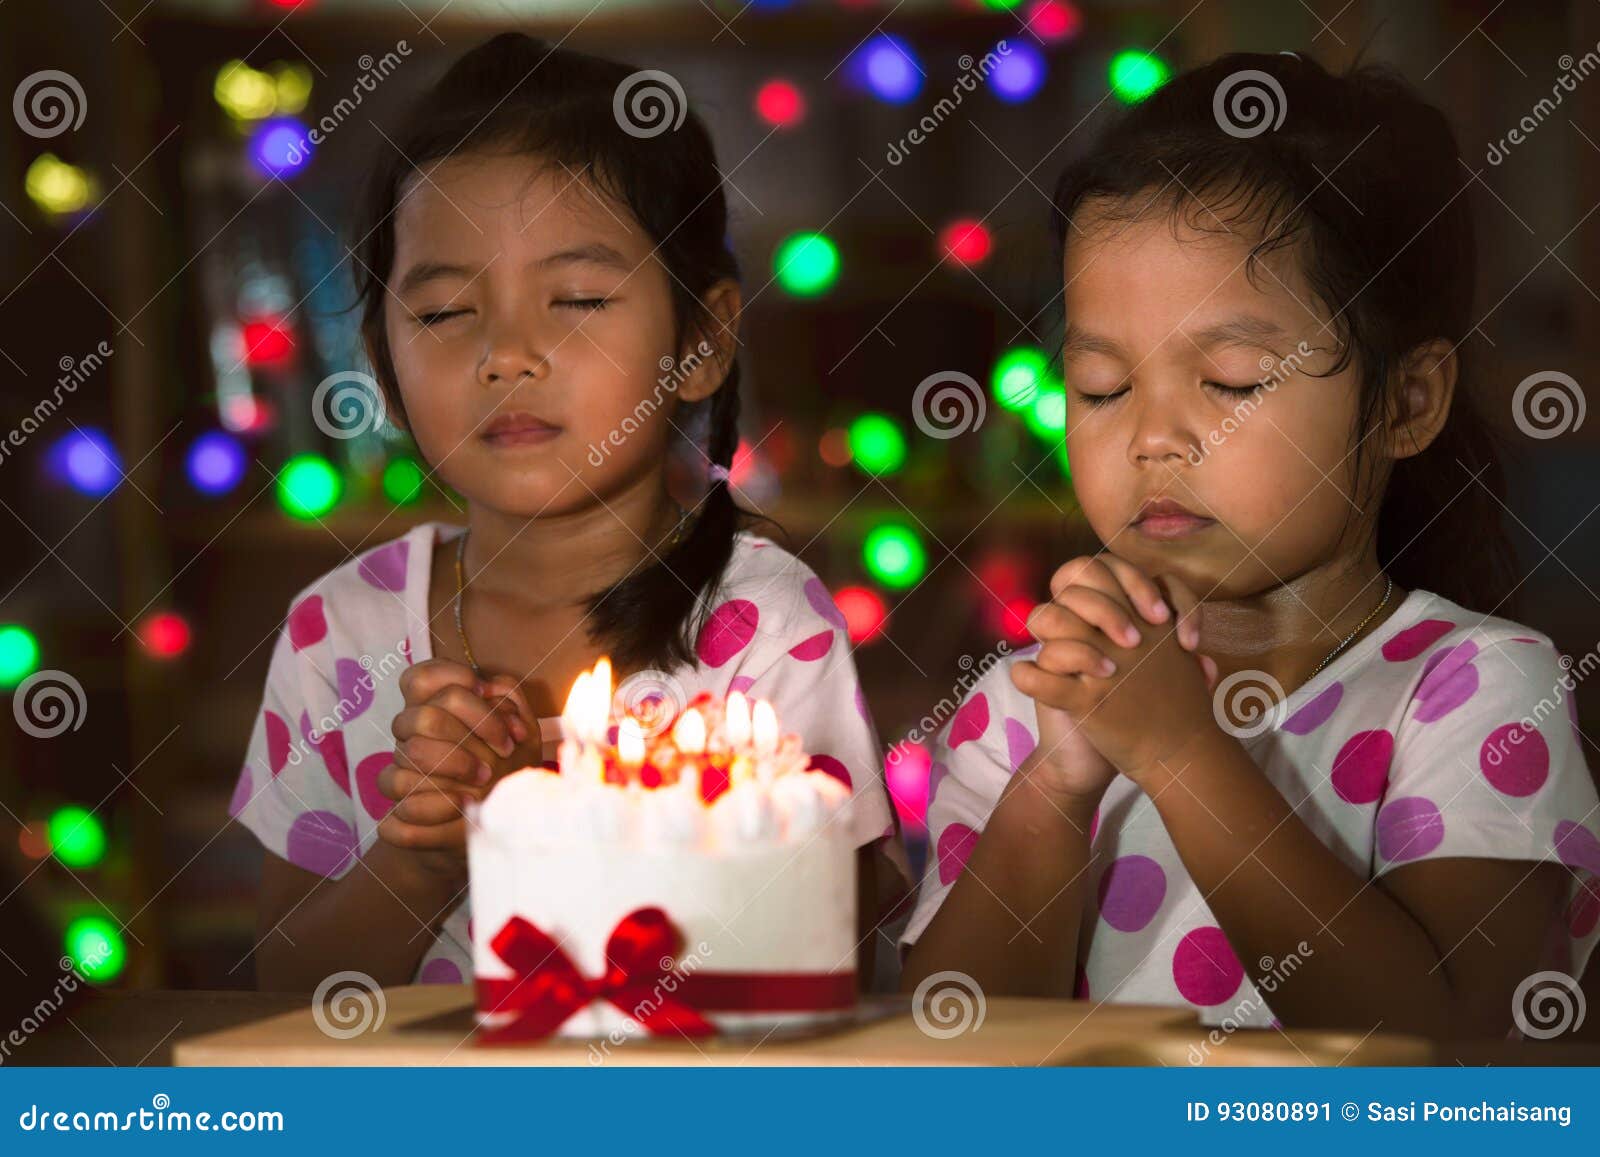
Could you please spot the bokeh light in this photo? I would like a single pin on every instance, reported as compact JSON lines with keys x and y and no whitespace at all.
{"x":806,"y":264}
{"x":1135,"y":75}
{"x":165,"y":634}
{"x":19,"y":654}
{"x":268,"y":341}
{"x":87,"y":461}
{"x":876,"y":444}
{"x":1053,"y":20}
{"x":906,"y":773}
{"x":1047,"y":415}
{"x":77,"y":837}
{"x":56,"y":187}
{"x":215,"y":463}
{"x":966,"y":240}
{"x":893,"y":554}
{"x":98,"y":950}
{"x":888,"y":67}
{"x":780,"y":103}
{"x":403,"y":481}
{"x":1019,"y":74}
{"x":864,"y":611}
{"x":309,"y":486}
{"x":280,"y":147}
{"x":1018,"y":377}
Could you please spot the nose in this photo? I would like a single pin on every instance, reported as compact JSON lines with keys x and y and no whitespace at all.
{"x":1162,"y":432}
{"x":512,"y":353}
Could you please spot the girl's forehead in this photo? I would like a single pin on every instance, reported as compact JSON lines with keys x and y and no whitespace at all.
{"x":510,"y":201}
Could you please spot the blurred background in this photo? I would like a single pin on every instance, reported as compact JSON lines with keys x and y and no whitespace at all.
{"x":174,"y":285}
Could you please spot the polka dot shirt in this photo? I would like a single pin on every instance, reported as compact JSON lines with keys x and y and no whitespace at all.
{"x":309,"y":785}
{"x":1444,"y":733}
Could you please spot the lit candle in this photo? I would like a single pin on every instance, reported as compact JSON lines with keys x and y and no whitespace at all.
{"x":689,"y":732}
{"x":736,"y":721}
{"x":630,"y":743}
{"x":764,"y":725}
{"x":602,"y":699}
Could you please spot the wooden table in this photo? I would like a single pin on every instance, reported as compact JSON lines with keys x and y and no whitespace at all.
{"x":432,"y":1025}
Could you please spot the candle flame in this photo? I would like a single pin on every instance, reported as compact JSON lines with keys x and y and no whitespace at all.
{"x":630,"y":742}
{"x":736,"y":721}
{"x":689,"y":732}
{"x":571,"y":711}
{"x":764,"y":725}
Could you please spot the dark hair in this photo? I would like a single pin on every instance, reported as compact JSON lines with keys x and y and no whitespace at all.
{"x":1364,"y":176}
{"x":515,"y":93}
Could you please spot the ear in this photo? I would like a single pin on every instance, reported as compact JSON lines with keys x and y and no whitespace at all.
{"x":710,"y":358}
{"x":1420,"y":397}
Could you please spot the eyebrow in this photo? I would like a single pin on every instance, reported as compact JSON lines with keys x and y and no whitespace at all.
{"x":1242,"y":330}
{"x":425,"y":271}
{"x":590,"y":253}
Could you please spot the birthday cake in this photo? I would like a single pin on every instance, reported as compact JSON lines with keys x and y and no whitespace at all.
{"x":679,"y":875}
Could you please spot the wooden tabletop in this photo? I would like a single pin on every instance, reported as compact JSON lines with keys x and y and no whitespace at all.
{"x":432,"y":1025}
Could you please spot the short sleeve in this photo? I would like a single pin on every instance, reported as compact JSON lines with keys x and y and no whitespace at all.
{"x":806,"y":670}
{"x":1488,"y":763}
{"x":973,"y":757}
{"x":294,"y":789}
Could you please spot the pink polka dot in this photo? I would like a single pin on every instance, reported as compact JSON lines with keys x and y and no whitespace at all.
{"x":1131,"y":891}
{"x":321,"y":842}
{"x":1205,"y":968}
{"x":1409,"y":827}
{"x":1415,"y":639}
{"x":385,"y":568}
{"x":1361,"y":769}
{"x":741,"y":684}
{"x":1449,"y":679}
{"x":242,"y":791}
{"x":971,"y":721}
{"x":1316,"y":711}
{"x":331,"y":748}
{"x":1583,"y":914}
{"x":822,"y":602}
{"x":830,"y":765}
{"x":1515,"y":759}
{"x":307,"y":623}
{"x":727,"y":631}
{"x":1577,"y":846}
{"x":1019,"y":742}
{"x":376,"y":803}
{"x":955,"y":845}
{"x":439,"y":970}
{"x":355,"y":692}
{"x":277,"y":740}
{"x":812,"y":649}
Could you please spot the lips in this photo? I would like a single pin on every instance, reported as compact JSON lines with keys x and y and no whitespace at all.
{"x":1165,"y":520}
{"x":518,"y":428}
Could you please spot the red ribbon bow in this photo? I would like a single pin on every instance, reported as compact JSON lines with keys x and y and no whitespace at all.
{"x":547,"y":987}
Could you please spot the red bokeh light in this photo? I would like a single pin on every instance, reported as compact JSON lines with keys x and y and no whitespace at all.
{"x":781,"y":104}
{"x":967,"y":241}
{"x":268,"y":342}
{"x":863,"y":610}
{"x":1054,"y":19}
{"x":165,"y":634}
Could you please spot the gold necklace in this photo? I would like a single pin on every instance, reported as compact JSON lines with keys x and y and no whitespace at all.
{"x":678,"y":532}
{"x":1348,"y":639}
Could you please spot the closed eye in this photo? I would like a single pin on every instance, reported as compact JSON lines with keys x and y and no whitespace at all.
{"x":1100,"y":399}
{"x":584,"y":304}
{"x":434,"y":317}
{"x":1236,"y":391}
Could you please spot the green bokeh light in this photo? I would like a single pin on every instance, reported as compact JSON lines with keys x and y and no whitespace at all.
{"x":1047,"y":416}
{"x":894,"y":555}
{"x":97,"y":948}
{"x":1018,"y":376}
{"x":806,"y":264}
{"x":309,"y":486}
{"x":1135,"y":75}
{"x":77,"y":837}
{"x":876,"y":444}
{"x":19,"y":654}
{"x":403,"y":481}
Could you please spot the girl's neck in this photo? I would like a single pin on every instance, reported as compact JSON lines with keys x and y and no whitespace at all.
{"x":1291,"y":627}
{"x":559,"y":560}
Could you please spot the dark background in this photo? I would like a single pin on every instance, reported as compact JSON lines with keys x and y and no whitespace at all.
{"x":183,"y":241}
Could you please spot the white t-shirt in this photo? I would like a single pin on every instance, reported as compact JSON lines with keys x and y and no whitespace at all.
{"x":308,"y":789}
{"x":1443,"y":733}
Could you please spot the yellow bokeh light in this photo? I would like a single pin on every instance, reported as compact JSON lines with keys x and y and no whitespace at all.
{"x":293,"y":85}
{"x":57,"y":187}
{"x":245,"y":92}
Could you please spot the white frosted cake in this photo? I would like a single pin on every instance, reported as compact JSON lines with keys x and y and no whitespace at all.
{"x":681,"y":879}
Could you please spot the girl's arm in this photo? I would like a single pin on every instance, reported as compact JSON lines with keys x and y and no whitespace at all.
{"x":1011,"y":919}
{"x":1434,"y":947}
{"x":378,"y":918}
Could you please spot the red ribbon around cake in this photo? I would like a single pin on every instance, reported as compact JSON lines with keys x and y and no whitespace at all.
{"x":547,"y":988}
